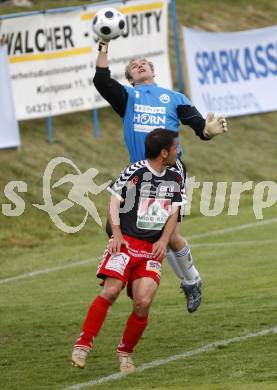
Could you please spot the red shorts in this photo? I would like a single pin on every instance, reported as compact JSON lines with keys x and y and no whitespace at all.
{"x":130,"y":263}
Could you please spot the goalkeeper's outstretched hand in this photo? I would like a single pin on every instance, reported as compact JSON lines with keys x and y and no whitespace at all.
{"x":214,"y":125}
{"x":103,"y":45}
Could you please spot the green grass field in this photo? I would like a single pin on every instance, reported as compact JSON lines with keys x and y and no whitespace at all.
{"x":47,"y":277}
{"x":42,"y":315}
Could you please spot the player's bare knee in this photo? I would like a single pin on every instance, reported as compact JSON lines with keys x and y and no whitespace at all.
{"x":177,"y":242}
{"x":111,"y":292}
{"x":142,"y":305}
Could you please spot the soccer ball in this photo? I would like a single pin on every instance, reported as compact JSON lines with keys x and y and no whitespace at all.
{"x":108,"y":23}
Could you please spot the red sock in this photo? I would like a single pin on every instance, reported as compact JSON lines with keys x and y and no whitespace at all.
{"x":133,"y":331}
{"x":93,"y":322}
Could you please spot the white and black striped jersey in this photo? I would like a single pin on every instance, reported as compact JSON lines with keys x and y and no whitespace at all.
{"x":146,"y":199}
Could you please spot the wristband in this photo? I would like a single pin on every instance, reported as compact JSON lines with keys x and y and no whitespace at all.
{"x":103,"y":47}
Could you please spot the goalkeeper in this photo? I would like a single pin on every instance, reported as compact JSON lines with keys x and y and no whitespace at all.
{"x":144,"y":106}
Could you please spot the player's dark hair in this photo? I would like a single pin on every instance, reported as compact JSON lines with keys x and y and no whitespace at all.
{"x":157,"y":140}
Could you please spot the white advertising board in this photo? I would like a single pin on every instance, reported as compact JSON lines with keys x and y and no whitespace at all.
{"x":234,"y":73}
{"x":9,"y":133}
{"x":52,"y":56}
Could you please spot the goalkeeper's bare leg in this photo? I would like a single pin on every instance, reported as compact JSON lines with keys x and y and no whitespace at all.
{"x":180,"y":260}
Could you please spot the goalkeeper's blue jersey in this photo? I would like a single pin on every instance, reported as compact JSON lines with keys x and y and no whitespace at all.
{"x":148,"y":107}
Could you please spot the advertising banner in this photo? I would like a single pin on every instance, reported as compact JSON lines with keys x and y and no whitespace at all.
{"x":232,"y":73}
{"x":52,"y":55}
{"x":9,"y":133}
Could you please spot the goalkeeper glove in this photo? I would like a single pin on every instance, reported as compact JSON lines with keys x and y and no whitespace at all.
{"x":103,"y":45}
{"x":214,"y":125}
